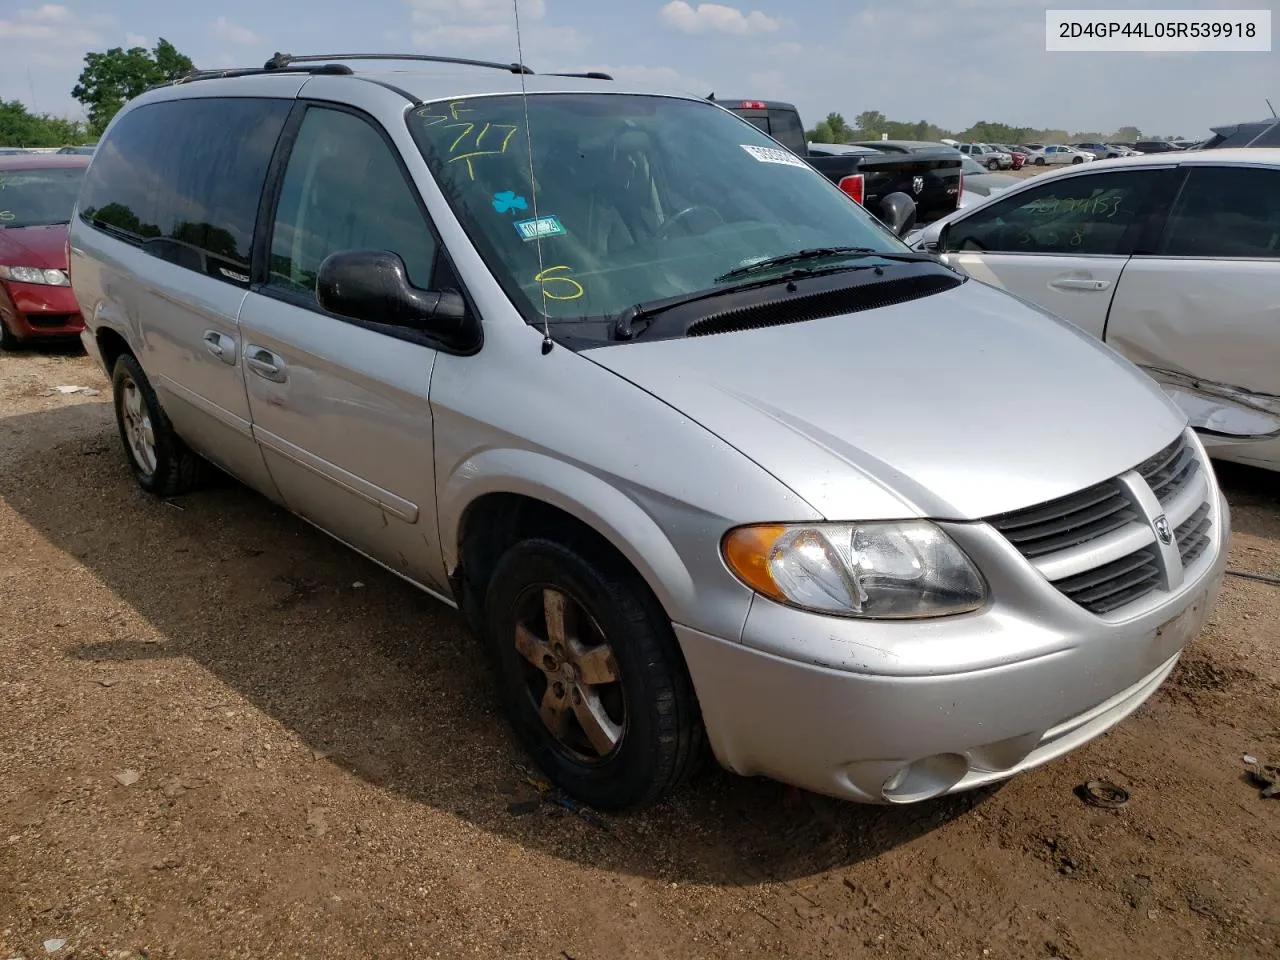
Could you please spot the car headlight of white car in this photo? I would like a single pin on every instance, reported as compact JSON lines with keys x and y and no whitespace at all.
{"x":880,"y":570}
{"x":46,"y":277}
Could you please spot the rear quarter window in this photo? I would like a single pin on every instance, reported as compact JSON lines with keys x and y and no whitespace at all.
{"x":181,"y":179}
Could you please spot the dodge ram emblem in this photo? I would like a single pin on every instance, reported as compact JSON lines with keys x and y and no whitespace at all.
{"x":1163,"y":530}
{"x":917,"y":184}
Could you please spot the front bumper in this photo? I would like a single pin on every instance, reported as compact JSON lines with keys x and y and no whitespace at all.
{"x":33,"y":311}
{"x":840,"y":706}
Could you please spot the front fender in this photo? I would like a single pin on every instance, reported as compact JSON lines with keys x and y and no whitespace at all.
{"x":601,"y":505}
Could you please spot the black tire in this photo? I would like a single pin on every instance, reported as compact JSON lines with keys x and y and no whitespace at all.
{"x":1039,"y":161}
{"x":7,"y":340}
{"x":177,"y":469}
{"x":661,"y":738}
{"x":1075,"y":160}
{"x":993,"y":165}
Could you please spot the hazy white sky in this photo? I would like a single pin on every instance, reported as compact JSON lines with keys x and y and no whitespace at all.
{"x":952,"y":62}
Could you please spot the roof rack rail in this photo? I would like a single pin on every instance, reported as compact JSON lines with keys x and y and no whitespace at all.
{"x":320,"y":68}
{"x":286,"y":61}
{"x":590,"y":75}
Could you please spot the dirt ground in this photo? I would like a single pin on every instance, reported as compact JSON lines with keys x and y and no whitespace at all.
{"x":224,"y":735}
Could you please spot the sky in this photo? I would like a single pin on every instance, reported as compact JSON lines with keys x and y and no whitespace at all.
{"x":951,"y":62}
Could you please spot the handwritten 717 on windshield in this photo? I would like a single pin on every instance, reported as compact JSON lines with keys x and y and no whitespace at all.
{"x":475,"y":147}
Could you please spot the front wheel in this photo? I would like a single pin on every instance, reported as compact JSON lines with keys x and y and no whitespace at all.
{"x":1039,"y":161}
{"x":162,"y":464}
{"x":993,"y":165}
{"x":1077,"y":160}
{"x":7,"y":340}
{"x":591,"y":674}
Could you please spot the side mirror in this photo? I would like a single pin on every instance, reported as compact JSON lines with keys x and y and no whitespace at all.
{"x":934,"y":238}
{"x":898,"y":212}
{"x":373,"y":286}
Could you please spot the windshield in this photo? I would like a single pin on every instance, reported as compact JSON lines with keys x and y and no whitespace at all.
{"x":32,"y":198}
{"x":639,"y":198}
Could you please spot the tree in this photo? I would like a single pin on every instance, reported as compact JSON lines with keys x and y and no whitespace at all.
{"x":871,"y":122}
{"x":840,"y":132}
{"x":111,"y":79}
{"x":1128,"y":135}
{"x":19,"y":127}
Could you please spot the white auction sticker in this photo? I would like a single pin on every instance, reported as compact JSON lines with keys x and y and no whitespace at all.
{"x":774,"y":155}
{"x":1163,"y":31}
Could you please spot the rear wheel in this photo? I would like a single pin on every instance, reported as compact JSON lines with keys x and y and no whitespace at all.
{"x":162,"y":464}
{"x":591,"y":674}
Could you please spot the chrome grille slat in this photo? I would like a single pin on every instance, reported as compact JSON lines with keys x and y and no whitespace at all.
{"x":1078,"y":541}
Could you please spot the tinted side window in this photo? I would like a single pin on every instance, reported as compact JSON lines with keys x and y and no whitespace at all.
{"x":344,"y":190}
{"x":786,"y":128}
{"x":1242,"y":136}
{"x":1225,"y":212}
{"x":1269,"y":139}
{"x":182,"y":179}
{"x":1076,"y":216}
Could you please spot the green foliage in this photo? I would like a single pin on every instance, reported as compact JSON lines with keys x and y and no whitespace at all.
{"x":871,"y":124}
{"x":19,"y":127}
{"x":833,"y":129}
{"x":109,"y":80}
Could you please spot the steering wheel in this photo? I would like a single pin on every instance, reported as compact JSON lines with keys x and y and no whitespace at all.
{"x":664,"y":231}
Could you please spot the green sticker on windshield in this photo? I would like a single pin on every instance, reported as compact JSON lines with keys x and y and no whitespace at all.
{"x":540,"y":228}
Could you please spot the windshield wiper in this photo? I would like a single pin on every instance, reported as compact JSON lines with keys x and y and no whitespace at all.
{"x":624,"y":320}
{"x":823,"y":253}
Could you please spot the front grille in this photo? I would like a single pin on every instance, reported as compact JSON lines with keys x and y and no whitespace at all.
{"x":1063,"y":537}
{"x":1067,"y":522}
{"x":1193,"y":535}
{"x":1112,"y":585}
{"x":40,"y":320}
{"x":1170,"y":470}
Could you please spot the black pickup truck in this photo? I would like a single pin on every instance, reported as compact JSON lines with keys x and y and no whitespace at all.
{"x":883,"y":182}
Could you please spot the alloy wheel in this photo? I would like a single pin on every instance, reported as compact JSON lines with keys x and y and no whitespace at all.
{"x":138,"y":429}
{"x":571,"y":674}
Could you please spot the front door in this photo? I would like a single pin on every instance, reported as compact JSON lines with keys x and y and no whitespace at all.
{"x":1202,"y":313}
{"x":1062,"y":245}
{"x":340,"y":408}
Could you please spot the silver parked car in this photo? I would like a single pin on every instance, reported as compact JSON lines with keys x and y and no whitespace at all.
{"x":1056,"y":153}
{"x":703,"y":453}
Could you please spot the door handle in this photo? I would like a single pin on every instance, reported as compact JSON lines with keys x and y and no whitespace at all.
{"x":1079,"y":283}
{"x":264,"y":363}
{"x":221,"y":346}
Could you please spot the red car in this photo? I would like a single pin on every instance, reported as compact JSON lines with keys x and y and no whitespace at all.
{"x":37,"y":194}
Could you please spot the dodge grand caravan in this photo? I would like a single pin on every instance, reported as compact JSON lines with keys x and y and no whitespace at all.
{"x":705,"y":455}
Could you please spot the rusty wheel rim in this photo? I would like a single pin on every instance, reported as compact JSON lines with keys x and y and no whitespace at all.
{"x":570,"y":674}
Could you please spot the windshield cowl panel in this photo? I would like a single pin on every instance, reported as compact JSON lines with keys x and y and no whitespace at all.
{"x":801,"y":299}
{"x":634,"y":199}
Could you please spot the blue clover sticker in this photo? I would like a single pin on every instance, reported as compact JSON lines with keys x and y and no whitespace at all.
{"x":507,"y":201}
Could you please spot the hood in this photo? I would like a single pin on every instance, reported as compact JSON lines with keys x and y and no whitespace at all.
{"x":957,"y":406}
{"x":34,"y":246}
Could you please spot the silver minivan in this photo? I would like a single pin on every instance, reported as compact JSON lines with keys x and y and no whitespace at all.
{"x":706,"y":456}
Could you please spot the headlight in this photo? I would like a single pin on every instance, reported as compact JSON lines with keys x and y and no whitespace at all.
{"x":49,"y":278}
{"x":873,"y":570}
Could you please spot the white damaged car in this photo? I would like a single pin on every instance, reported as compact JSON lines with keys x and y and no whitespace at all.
{"x":1173,"y":259}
